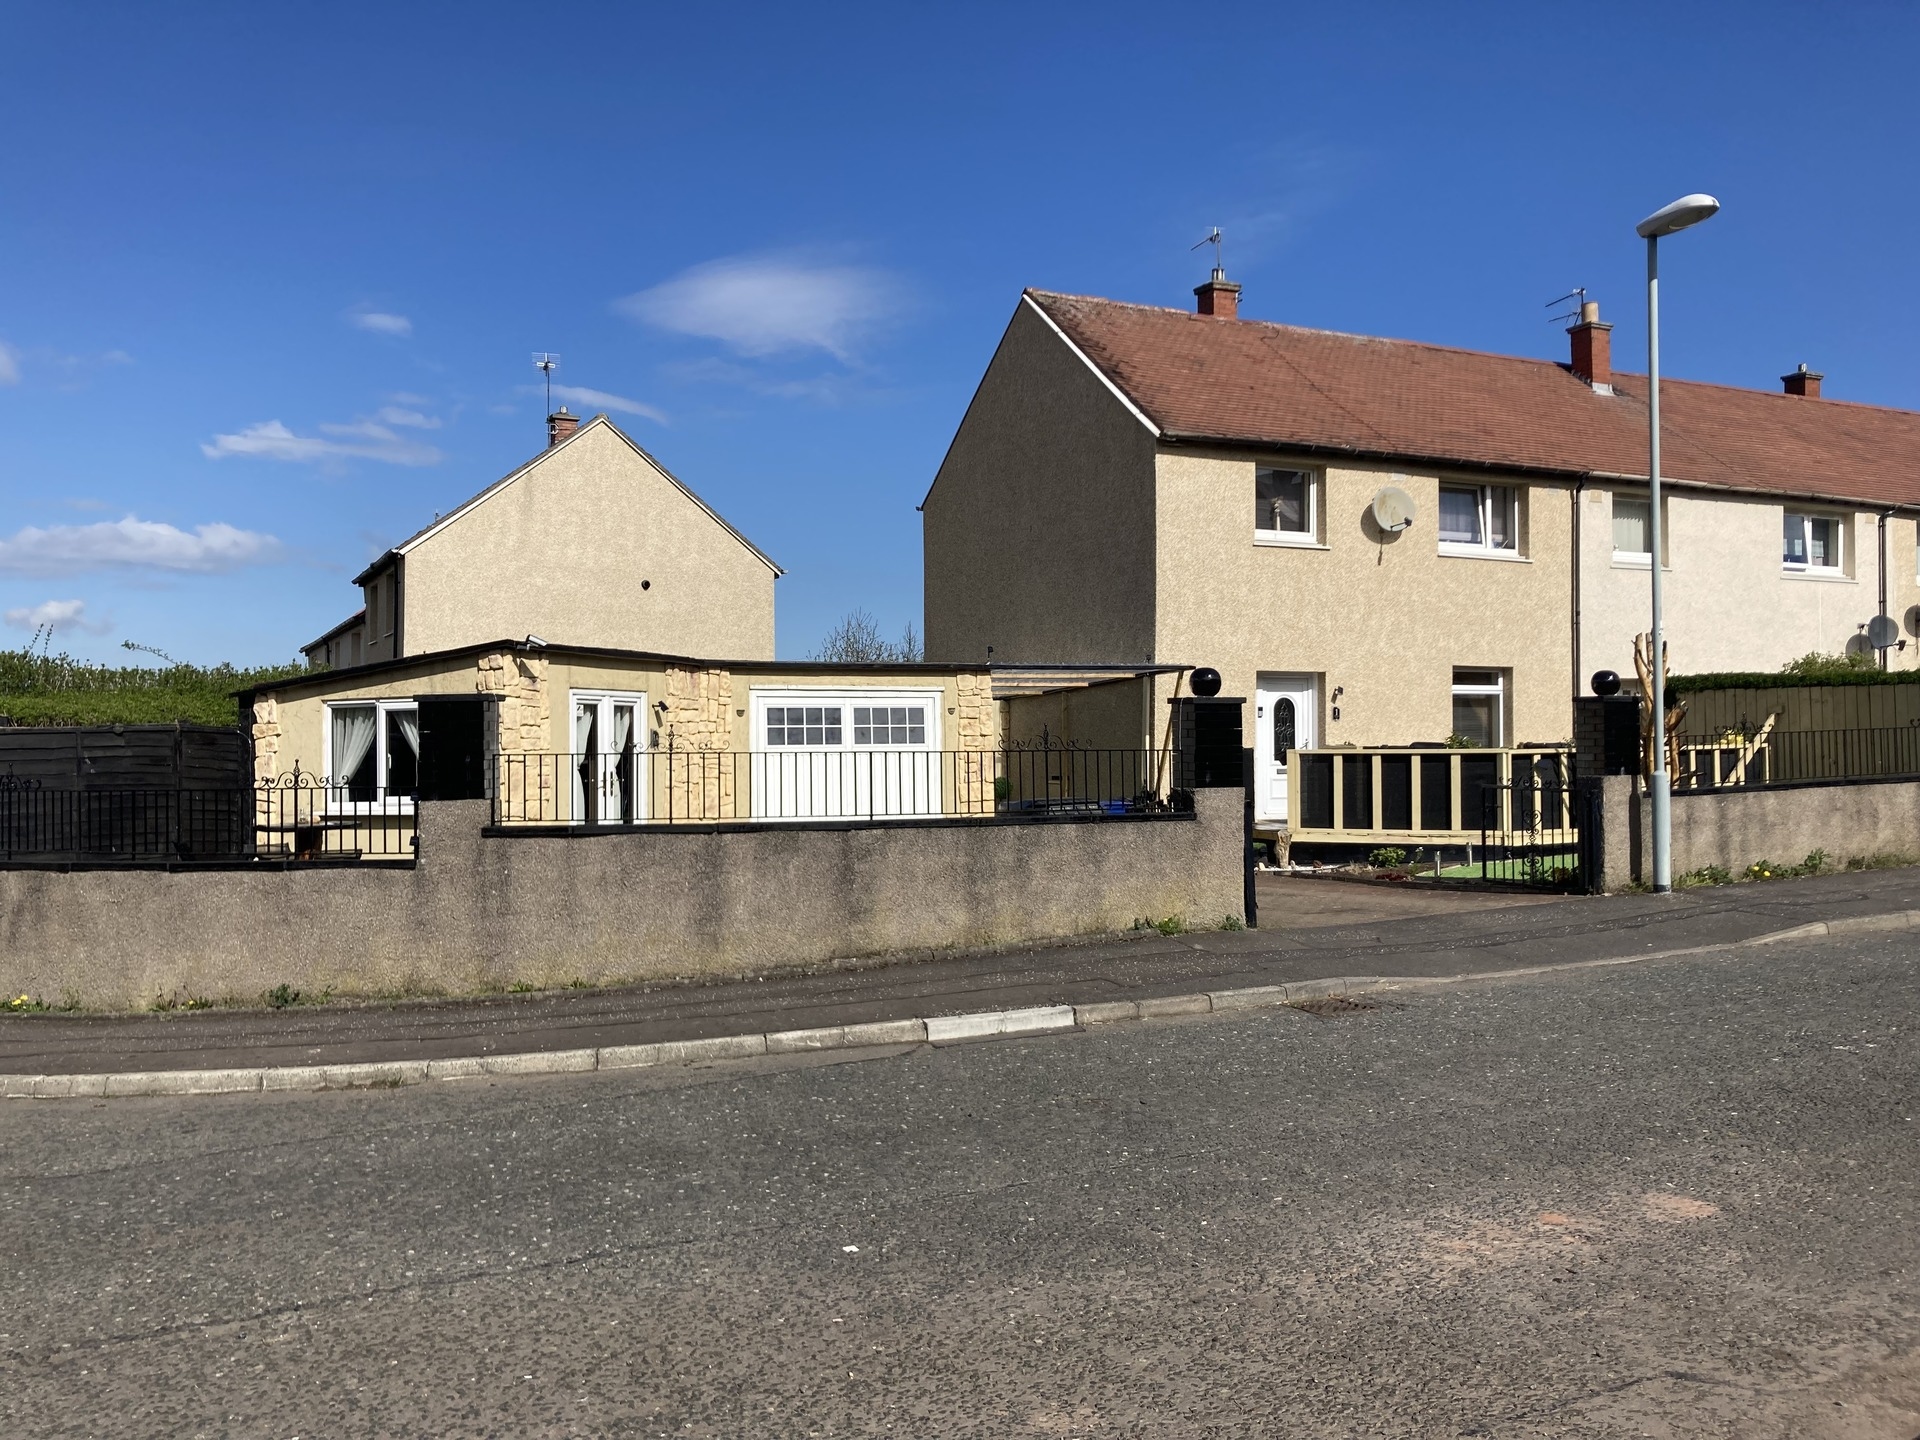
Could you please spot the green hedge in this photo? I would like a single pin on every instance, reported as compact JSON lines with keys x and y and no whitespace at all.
{"x":1771,"y":680}
{"x":59,"y":690}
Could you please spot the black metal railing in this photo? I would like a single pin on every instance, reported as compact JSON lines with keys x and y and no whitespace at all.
{"x":670,"y":786}
{"x":295,"y":819}
{"x":1537,"y":831}
{"x":1780,"y":757}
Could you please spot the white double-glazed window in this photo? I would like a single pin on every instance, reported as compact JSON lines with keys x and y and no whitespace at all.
{"x":846,"y":754}
{"x":1286,"y":506}
{"x":372,"y":754}
{"x":1479,"y":520}
{"x":1812,"y":544}
{"x":1632,"y":530}
{"x":1480,"y":707}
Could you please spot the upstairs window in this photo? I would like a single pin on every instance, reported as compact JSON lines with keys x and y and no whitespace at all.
{"x":1482,"y":519}
{"x":1284,"y":505}
{"x":1811,"y":544}
{"x":1632,"y":530}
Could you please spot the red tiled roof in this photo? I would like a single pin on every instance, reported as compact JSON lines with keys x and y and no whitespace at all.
{"x":1200,"y":377}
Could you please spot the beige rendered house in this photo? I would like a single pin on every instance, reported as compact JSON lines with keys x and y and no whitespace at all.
{"x":592,"y":542}
{"x":1140,"y":485}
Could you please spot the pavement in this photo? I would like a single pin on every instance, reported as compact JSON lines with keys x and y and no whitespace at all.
{"x":1312,"y":929}
{"x":1668,"y":1199}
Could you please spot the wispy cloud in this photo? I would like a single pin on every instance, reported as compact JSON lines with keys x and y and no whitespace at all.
{"x":835,"y":387}
{"x":133,"y":544}
{"x":772,"y":304}
{"x":57,"y":615}
{"x":412,"y":419}
{"x":380,"y":322}
{"x":9,"y":364}
{"x":600,"y":400}
{"x":364,"y":439}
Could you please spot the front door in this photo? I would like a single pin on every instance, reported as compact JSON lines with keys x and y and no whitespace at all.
{"x":1286,"y":718}
{"x":608,"y":758}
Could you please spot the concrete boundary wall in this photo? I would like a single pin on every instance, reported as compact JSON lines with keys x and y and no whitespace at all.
{"x":1781,"y":824}
{"x":485,"y":911}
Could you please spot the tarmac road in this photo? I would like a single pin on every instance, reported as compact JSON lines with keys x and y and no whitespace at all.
{"x":1669,"y":1199}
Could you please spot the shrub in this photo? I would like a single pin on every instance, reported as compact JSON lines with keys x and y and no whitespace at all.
{"x":1387,"y":857}
{"x":60,"y":690}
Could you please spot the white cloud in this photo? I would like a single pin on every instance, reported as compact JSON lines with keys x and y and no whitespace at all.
{"x":362,"y":439}
{"x":601,"y":400}
{"x":9,"y":364}
{"x":133,"y":544}
{"x":413,"y":419}
{"x":769,"y":304}
{"x":380,"y":322}
{"x":57,"y":615}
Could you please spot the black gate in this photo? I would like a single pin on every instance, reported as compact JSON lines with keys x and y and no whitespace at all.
{"x":1541,"y":827}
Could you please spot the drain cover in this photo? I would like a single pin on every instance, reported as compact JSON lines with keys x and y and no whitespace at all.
{"x":1333,"y":1005}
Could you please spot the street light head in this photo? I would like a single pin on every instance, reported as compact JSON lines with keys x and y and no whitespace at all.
{"x":1687,"y":210}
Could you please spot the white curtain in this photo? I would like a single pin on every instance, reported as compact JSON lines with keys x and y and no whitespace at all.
{"x":408,"y":724}
{"x":352,"y":740}
{"x":583,"y":717}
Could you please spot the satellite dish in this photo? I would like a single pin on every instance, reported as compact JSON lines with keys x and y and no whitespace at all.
{"x":1913,"y":619}
{"x":1883,"y":632}
{"x":1857,"y":644}
{"x":1392,"y":509}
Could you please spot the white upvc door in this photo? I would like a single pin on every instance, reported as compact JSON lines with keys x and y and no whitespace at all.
{"x":609,"y":757}
{"x":1286,"y":718}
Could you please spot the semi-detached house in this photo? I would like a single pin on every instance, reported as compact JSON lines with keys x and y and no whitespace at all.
{"x":1135,"y":484}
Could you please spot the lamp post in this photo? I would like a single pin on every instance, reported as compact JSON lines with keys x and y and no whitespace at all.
{"x":1687,"y":210}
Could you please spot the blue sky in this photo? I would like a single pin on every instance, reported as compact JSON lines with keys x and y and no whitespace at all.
{"x":270,"y":277}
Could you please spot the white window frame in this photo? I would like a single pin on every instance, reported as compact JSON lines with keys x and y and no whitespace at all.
{"x":337,"y":803}
{"x":1309,"y":537}
{"x":846,"y":698}
{"x":1486,"y":549}
{"x":1837,"y":570}
{"x":1638,"y":559}
{"x":1498,"y":690}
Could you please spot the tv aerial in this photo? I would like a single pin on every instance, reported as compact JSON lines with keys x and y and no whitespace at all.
{"x":546,"y":364}
{"x":1212,"y":238}
{"x":1578,"y":295}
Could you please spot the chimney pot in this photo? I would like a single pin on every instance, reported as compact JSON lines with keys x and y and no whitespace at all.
{"x":1593,"y":348}
{"x":560,"y":425}
{"x":1803,"y":382}
{"x":1219,"y":296}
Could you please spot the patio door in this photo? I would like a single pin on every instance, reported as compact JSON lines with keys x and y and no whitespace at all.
{"x":1286,"y":718}
{"x":609,"y":758}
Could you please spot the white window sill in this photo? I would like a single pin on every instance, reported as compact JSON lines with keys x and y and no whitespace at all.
{"x":1815,"y":572}
{"x":1634,"y":560}
{"x":1281,"y":540}
{"x":1481,"y":552}
{"x":371,"y":808}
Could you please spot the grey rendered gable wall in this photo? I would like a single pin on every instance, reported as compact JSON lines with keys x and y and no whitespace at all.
{"x":1038,"y":530}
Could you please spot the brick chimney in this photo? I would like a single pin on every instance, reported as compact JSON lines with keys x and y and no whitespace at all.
{"x":560,"y":425}
{"x":1592,"y":349}
{"x":1803,"y":382}
{"x":1219,"y":296}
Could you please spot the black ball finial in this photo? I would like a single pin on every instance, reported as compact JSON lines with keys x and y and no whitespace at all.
{"x":1206,"y":682}
{"x":1606,"y":682}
